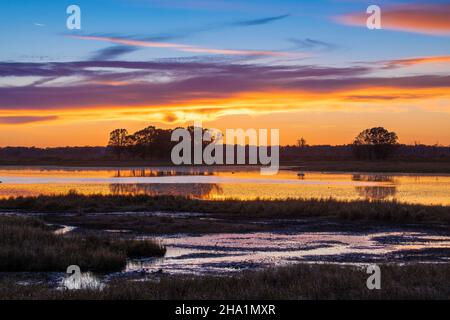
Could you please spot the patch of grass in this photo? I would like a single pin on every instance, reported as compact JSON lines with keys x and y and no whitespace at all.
{"x":386,"y":211}
{"x":138,"y":248}
{"x":299,"y":282}
{"x":30,"y":245}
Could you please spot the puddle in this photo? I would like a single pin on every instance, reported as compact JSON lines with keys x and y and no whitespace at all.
{"x":64,"y":230}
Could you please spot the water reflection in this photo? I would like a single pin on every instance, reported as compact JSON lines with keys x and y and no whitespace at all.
{"x":224,"y":183}
{"x":194,"y":190}
{"x":376,"y":193}
{"x":379,"y":192}
{"x":230,"y":252}
{"x":373,"y":178}
{"x":160,"y":173}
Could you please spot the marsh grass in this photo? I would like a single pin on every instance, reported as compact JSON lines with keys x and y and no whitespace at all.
{"x":30,"y":245}
{"x":298,"y":282}
{"x":386,"y":211}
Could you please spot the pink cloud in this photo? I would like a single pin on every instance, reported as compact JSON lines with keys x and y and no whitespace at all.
{"x":183,"y":47}
{"x":420,"y":18}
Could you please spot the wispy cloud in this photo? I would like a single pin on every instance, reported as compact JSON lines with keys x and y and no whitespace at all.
{"x":25,"y":119}
{"x":116,"y":51}
{"x":398,"y":63}
{"x":257,"y":22}
{"x":420,"y":18}
{"x":112,"y":52}
{"x":182,"y":47}
{"x":312,"y":44}
{"x":187,"y":32}
{"x":200,"y":87}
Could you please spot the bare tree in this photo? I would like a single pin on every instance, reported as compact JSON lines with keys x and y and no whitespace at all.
{"x":301,"y":143}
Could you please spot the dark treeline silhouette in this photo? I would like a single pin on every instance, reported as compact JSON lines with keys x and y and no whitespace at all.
{"x":148,"y":143}
{"x":376,"y":143}
{"x":154,"y":145}
{"x":25,"y":154}
{"x":104,"y":155}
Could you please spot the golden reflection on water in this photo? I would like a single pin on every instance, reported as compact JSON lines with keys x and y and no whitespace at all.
{"x":227,"y":183}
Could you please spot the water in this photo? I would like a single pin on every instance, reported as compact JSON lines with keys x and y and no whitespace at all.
{"x":231,"y":252}
{"x":223,"y":183}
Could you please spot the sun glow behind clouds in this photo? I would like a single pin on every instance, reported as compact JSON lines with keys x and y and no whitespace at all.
{"x":370,"y":99}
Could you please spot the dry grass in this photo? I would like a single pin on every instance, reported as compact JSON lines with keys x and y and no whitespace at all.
{"x":304,"y":282}
{"x":386,"y":211}
{"x":30,"y":245}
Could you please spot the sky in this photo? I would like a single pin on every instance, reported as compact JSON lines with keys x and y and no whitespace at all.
{"x":311,"y":69}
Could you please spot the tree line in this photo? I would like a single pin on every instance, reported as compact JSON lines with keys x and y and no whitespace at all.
{"x":155,"y":143}
{"x":290,"y":153}
{"x":147,"y":143}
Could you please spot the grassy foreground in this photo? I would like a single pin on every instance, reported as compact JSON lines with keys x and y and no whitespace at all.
{"x":291,"y":283}
{"x":30,"y":245}
{"x":386,"y":211}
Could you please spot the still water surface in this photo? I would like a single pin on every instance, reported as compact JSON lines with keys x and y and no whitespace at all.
{"x":221,"y":183}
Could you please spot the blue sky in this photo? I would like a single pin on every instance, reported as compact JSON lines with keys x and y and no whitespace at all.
{"x":36,"y":30}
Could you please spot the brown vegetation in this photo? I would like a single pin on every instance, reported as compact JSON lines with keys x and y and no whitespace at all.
{"x":386,"y":211}
{"x":30,"y":245}
{"x":299,"y":282}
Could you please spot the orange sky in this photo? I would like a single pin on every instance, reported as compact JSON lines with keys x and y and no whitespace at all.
{"x":322,"y":118}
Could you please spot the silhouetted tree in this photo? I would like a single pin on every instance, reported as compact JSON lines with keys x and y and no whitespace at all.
{"x":162,"y":144}
{"x":301,"y":143}
{"x":143,"y":141}
{"x":375,"y":143}
{"x":118,"y":141}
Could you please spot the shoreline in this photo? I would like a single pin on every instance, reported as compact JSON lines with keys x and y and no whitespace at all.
{"x":349,"y":166}
{"x":259,"y":232}
{"x":385,"y":211}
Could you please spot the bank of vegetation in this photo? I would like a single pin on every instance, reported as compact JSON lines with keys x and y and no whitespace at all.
{"x":30,"y":245}
{"x":297,"y":282}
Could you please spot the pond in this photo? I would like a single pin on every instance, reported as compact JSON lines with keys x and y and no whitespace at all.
{"x":221,"y":183}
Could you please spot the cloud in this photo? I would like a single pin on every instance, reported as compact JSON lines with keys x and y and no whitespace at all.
{"x":311,"y":44}
{"x":25,"y":119}
{"x":415,"y":61}
{"x":431,"y":19}
{"x":257,"y":22}
{"x":160,"y":84}
{"x":112,"y":52}
{"x":182,"y":47}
